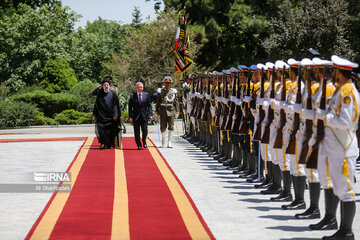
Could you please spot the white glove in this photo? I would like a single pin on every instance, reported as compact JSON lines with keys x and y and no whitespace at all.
{"x":260,"y":101}
{"x":320,"y":113}
{"x":275,"y":104}
{"x":282,"y":104}
{"x":307,"y":113}
{"x":312,"y":140}
{"x":297,"y":107}
{"x":176,"y":115}
{"x":289,"y":108}
{"x":247,"y":99}
{"x":266,"y":105}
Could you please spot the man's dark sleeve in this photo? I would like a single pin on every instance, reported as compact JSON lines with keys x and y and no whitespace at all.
{"x":131,"y":106}
{"x":149,"y":105}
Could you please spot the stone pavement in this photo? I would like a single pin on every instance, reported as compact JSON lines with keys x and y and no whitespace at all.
{"x":232,"y":208}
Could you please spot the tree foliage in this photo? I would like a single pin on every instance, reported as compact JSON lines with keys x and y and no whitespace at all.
{"x":136,"y":20}
{"x":92,"y":46}
{"x":58,"y":76}
{"x":29,"y":39}
{"x":320,"y":25}
{"x":150,"y":54}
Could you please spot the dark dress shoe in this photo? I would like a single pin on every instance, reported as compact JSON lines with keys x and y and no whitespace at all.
{"x":310,"y":213}
{"x":139,"y":148}
{"x":327,"y":223}
{"x":108,"y":146}
{"x":145,"y":146}
{"x":273,"y":189}
{"x":296,"y":204}
{"x":341,"y":234}
{"x":256,"y":180}
{"x":102,"y":146}
{"x":283,"y":197}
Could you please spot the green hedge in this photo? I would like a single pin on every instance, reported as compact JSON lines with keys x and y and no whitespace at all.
{"x":82,"y":90}
{"x":72,"y":116}
{"x":41,"y":119}
{"x":16,"y":114}
{"x":47,"y":102}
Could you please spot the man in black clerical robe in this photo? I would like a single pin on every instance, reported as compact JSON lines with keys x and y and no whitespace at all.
{"x":106,"y":114}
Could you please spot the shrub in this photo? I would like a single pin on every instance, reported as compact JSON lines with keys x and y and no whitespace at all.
{"x":41,"y":119}
{"x":72,"y":116}
{"x":47,"y":102}
{"x":125,"y":116}
{"x":58,"y":76}
{"x":16,"y":114}
{"x":82,"y":90}
{"x":124,"y":100}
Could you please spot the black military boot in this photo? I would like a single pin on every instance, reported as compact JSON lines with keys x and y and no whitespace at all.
{"x":236,"y":163}
{"x":299,"y":189}
{"x":347,"y":212}
{"x":260,"y":176}
{"x":329,"y":221}
{"x":251,"y":170}
{"x":268,"y":177}
{"x":313,"y":211}
{"x":275,"y":187}
{"x":285,"y":195}
{"x":245,"y":167}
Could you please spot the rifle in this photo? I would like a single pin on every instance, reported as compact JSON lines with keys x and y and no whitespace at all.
{"x":219,"y":105}
{"x":238,"y":113}
{"x":279,"y":136}
{"x":225,"y":106}
{"x":205,"y":114}
{"x":266,"y":135}
{"x":308,"y":123}
{"x":200,"y":101}
{"x":194,"y":103}
{"x":229,"y":120}
{"x":244,"y":127}
{"x":257,"y":135}
{"x":320,"y":131}
{"x":296,"y":124}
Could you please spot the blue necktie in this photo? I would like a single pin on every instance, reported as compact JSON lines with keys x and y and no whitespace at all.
{"x":140,"y":97}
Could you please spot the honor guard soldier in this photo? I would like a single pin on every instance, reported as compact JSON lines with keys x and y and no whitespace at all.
{"x":340,"y":144}
{"x":167,"y":107}
{"x":297,"y":170}
{"x":283,"y":159}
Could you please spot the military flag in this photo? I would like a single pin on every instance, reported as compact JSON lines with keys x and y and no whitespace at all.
{"x":183,"y":59}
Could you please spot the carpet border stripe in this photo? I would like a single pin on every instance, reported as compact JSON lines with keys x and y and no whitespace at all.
{"x":120,"y":220}
{"x":47,"y":220}
{"x":191,"y":216}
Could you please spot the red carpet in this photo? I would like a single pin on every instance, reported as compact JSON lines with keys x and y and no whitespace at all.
{"x":154,"y":204}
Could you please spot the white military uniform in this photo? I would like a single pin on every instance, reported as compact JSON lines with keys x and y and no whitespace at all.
{"x":324,"y":176}
{"x":340,"y":143}
{"x":296,"y":169}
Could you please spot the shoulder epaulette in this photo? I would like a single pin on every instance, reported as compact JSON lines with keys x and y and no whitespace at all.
{"x":314,"y":87}
{"x":266,"y":86}
{"x":330,"y":89}
{"x":347,"y":89}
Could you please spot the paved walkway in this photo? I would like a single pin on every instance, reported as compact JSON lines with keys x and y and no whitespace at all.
{"x":232,"y":208}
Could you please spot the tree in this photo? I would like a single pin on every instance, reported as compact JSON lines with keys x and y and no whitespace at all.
{"x":320,"y":25}
{"x":149,"y":55}
{"x":58,"y":76}
{"x":31,"y":37}
{"x":92,"y":46}
{"x":229,"y":32}
{"x":136,"y":21}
